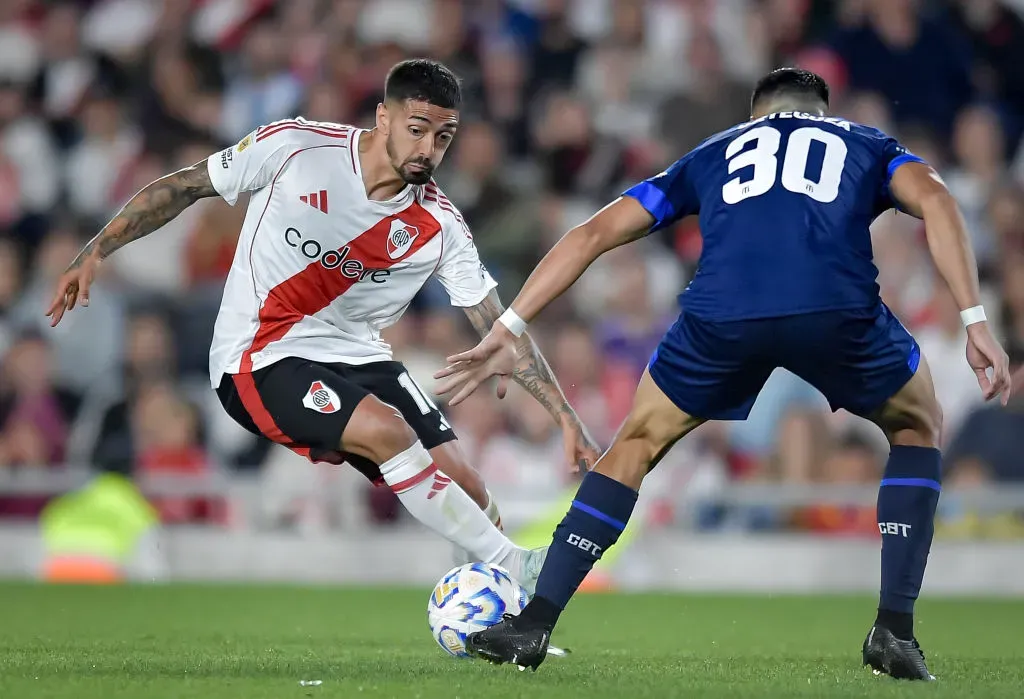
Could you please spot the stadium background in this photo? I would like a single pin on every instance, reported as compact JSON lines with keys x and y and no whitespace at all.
{"x":566,"y":103}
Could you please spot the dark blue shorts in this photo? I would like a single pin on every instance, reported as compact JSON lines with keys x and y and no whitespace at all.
{"x":857,"y":358}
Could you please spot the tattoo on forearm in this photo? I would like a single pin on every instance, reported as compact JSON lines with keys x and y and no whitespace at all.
{"x":532,"y":371}
{"x":154,"y":205}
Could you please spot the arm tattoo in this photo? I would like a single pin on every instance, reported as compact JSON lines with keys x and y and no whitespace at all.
{"x":532,"y":371}
{"x":153,"y":206}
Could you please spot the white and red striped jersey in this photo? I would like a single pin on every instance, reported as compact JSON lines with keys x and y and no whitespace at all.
{"x":320,"y":269}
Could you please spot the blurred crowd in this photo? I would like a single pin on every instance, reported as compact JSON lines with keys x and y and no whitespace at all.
{"x":567,"y":102}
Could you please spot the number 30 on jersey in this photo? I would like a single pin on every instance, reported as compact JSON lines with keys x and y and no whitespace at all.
{"x":763,"y":158}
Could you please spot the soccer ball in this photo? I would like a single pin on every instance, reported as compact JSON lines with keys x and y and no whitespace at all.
{"x":471,"y":598}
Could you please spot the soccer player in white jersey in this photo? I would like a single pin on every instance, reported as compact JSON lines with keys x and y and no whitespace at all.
{"x":343,"y":228}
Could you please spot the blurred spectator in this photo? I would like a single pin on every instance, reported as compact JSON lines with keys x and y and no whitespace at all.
{"x":915,"y":60}
{"x":11,"y":279}
{"x":557,"y":53}
{"x":68,"y":71}
{"x":997,"y":36}
{"x":712,"y":101}
{"x":854,"y":461}
{"x":86,"y":344}
{"x":504,"y":100}
{"x":27,"y":147}
{"x":35,"y":414}
{"x":992,"y":439}
{"x":943,"y":344}
{"x":588,"y":385}
{"x":263,"y":90}
{"x":530,"y":455}
{"x":979,"y":149}
{"x":148,"y":359}
{"x":574,"y":157}
{"x":19,"y":50}
{"x":108,"y":147}
{"x":176,"y":104}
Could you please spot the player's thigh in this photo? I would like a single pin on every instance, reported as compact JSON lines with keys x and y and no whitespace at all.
{"x":654,"y":423}
{"x":866,"y":362}
{"x":301,"y":403}
{"x":392,"y":384}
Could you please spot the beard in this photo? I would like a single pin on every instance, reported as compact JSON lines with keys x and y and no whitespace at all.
{"x":416,"y":171}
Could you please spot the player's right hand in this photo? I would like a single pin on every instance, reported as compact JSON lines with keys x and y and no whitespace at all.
{"x":983,"y":353}
{"x":494,"y":356}
{"x":73,"y":286}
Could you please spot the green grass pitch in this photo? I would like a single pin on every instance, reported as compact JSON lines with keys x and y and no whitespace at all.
{"x":250,"y":642}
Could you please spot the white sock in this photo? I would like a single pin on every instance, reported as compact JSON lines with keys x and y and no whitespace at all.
{"x":438,"y":502}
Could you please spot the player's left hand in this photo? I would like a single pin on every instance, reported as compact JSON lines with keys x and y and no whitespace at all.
{"x":581,"y":451}
{"x":983,"y":353}
{"x":494,"y":356}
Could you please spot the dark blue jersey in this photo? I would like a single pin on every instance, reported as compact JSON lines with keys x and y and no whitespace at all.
{"x":785,"y":202}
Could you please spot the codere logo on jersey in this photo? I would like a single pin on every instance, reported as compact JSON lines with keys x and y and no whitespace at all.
{"x":335,"y":259}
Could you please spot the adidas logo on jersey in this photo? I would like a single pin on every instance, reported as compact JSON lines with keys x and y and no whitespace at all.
{"x":318,"y":200}
{"x":321,"y":398}
{"x":401,"y":238}
{"x":441,"y":482}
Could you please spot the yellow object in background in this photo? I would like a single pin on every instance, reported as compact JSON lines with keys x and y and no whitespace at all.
{"x":539,"y":532}
{"x":89,"y":534}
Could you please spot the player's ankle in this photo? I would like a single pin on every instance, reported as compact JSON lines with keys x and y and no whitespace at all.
{"x":901,"y":624}
{"x":539,"y":613}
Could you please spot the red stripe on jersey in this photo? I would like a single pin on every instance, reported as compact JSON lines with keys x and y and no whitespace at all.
{"x":304,"y":199}
{"x":323,"y":200}
{"x":301,"y":127}
{"x":316,"y":287}
{"x":415,"y":480}
{"x":302,"y":122}
{"x":445,"y":205}
{"x":245,"y":385}
{"x":314,"y":200}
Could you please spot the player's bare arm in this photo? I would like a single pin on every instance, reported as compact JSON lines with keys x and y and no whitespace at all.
{"x":621,"y":222}
{"x":921,"y":193}
{"x":152,"y":207}
{"x":531,"y":371}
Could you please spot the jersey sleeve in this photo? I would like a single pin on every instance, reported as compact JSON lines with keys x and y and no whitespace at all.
{"x":460,"y":270}
{"x":249,"y":164}
{"x":893,"y":155}
{"x":669,"y":195}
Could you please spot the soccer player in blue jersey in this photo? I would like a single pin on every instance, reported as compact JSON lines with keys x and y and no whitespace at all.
{"x":786,"y":279}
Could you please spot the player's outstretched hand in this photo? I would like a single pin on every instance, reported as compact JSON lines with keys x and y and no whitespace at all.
{"x":983,"y":353}
{"x":73,"y":287}
{"x":581,"y":451}
{"x":494,"y":356}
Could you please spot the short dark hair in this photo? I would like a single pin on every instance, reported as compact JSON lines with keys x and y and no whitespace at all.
{"x":423,"y":80}
{"x":791,"y":82}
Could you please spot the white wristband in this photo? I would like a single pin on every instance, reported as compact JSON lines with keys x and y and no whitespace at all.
{"x":511,"y":320}
{"x":975,"y":314}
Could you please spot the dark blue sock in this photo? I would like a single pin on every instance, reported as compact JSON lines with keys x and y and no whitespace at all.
{"x":906,"y":512}
{"x":594,"y":521}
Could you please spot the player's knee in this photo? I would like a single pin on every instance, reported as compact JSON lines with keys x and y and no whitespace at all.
{"x":377,"y":431}
{"x":919,"y":426}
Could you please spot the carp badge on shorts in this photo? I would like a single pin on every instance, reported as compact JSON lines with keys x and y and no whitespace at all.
{"x":321,"y":398}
